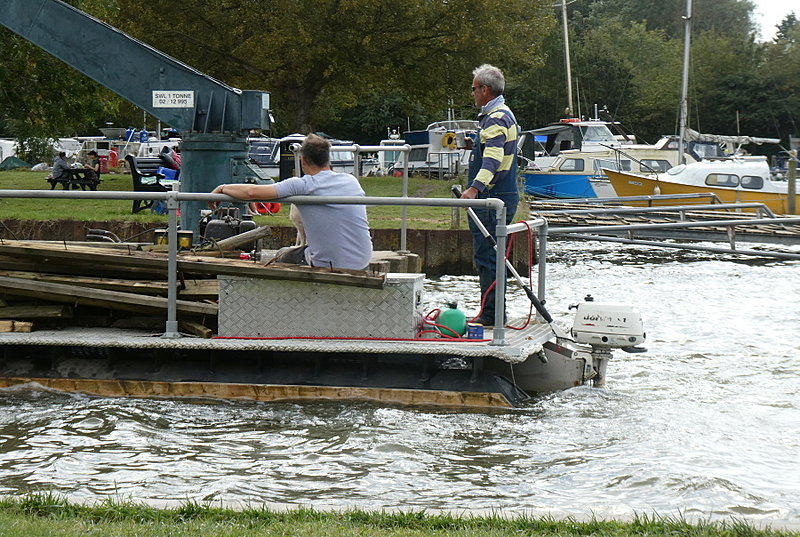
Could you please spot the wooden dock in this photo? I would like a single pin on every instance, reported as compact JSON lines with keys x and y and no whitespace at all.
{"x":569,"y":217}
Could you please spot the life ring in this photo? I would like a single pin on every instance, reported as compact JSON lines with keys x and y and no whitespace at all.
{"x":449,"y":140}
{"x":265,"y":208}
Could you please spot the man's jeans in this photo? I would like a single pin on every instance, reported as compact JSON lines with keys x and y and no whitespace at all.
{"x":484,"y":253}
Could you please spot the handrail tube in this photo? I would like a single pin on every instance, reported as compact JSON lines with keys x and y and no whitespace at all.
{"x":653,"y":197}
{"x":665,"y":208}
{"x":542,"y":264}
{"x":524,"y":226}
{"x":541,"y":267}
{"x":501,"y":232}
{"x":489,"y":203}
{"x":171,"y":327}
{"x":634,"y":227}
{"x":404,"y":212}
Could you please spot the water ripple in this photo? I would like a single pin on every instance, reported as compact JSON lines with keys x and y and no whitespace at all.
{"x":704,"y":423}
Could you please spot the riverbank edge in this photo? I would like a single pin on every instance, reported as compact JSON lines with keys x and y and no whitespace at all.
{"x":48,"y":506}
{"x":442,"y":251}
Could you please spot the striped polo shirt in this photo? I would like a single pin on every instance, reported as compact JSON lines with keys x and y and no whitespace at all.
{"x":498,"y":138}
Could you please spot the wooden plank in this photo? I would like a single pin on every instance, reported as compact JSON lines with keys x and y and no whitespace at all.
{"x":191,"y":264}
{"x":191,"y":289}
{"x":18,"y":263}
{"x":15,"y":326}
{"x":264,"y":392}
{"x":113,"y":284}
{"x":199,"y":289}
{"x":56,"y":292}
{"x":196,"y":329}
{"x":36,"y":312}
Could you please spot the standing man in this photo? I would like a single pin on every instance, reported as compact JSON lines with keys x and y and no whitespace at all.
{"x":338,"y":235}
{"x":492,"y":174}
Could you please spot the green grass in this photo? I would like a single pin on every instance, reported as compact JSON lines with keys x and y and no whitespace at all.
{"x":52,"y":516}
{"x":102,"y":210}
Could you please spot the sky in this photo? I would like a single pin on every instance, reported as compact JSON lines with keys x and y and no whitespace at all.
{"x":768,"y":13}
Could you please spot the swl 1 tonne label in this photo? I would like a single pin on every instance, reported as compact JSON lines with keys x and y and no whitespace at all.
{"x":173,"y":99}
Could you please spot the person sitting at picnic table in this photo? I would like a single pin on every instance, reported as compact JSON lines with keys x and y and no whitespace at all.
{"x":61,"y":169}
{"x":94,"y":166}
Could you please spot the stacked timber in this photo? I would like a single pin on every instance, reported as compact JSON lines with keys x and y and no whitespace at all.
{"x":57,"y":284}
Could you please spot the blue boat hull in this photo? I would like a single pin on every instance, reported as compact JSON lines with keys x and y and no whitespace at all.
{"x":558,"y":185}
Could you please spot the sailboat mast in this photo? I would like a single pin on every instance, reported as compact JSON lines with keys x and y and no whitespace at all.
{"x":570,"y":108}
{"x":684,"y":113}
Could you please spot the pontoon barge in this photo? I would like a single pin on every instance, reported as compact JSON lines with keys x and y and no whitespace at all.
{"x":288,"y":338}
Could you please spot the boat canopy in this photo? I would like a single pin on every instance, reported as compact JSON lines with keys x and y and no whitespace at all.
{"x":692,"y":135}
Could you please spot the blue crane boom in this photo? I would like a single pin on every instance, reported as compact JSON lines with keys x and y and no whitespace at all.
{"x":212,"y":117}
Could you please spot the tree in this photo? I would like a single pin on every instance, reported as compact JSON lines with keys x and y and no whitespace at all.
{"x":41,"y":97}
{"x":321,"y":57}
{"x":786,"y":27}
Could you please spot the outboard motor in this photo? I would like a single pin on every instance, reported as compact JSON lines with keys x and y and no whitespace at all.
{"x":605,"y":327}
{"x":227,"y":223}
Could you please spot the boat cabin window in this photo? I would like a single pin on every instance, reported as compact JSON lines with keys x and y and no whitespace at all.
{"x":263,"y":153}
{"x":572,"y":165}
{"x":753,"y":181}
{"x":391,"y":156}
{"x":619,"y":165}
{"x":338,"y":156}
{"x":722,"y":179}
{"x":597,"y":133}
{"x":655,"y":165}
{"x":418,"y":154}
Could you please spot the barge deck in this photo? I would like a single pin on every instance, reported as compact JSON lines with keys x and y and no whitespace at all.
{"x":117,"y":362}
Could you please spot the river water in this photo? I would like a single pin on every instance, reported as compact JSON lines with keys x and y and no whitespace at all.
{"x":704,"y":424}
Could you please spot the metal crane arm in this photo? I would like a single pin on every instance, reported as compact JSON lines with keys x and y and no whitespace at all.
{"x":166,"y":88}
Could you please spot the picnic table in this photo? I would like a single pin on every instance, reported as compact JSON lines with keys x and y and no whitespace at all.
{"x":74,"y":178}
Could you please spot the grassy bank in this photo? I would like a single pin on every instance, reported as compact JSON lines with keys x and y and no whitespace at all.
{"x":101,"y":210}
{"x":39,"y":515}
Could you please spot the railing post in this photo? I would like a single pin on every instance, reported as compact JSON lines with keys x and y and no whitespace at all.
{"x":499,"y":331}
{"x":295,"y":148}
{"x":404,"y":222}
{"x":542,"y":264}
{"x":357,"y":161}
{"x":171,"y":329}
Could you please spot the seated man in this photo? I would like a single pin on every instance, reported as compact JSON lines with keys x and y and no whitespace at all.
{"x":62,"y":171}
{"x":338,"y":235}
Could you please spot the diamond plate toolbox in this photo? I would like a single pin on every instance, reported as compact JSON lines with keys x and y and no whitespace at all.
{"x":250,"y":307}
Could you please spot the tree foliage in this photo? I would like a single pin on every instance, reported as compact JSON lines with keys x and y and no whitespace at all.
{"x":355,"y":67}
{"x":320,"y":58}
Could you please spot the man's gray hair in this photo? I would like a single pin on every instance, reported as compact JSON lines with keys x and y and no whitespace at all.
{"x":492,"y":77}
{"x":316,"y":150}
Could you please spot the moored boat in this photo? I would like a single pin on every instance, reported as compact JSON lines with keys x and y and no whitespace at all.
{"x":441,"y":149}
{"x":731,"y":180}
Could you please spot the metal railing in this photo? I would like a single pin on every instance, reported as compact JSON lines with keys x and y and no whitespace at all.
{"x":680,"y":209}
{"x":650,"y":199}
{"x":173,"y":198}
{"x":541,"y":266}
{"x":593,"y":232}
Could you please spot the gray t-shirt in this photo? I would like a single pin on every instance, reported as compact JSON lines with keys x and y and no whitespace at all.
{"x":60,"y":167}
{"x":337,"y":235}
